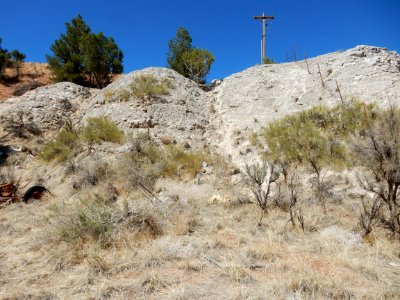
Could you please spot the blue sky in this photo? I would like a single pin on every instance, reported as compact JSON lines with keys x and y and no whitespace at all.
{"x":226,"y":28}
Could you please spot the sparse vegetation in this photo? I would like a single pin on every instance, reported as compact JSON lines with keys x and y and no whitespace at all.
{"x":378,"y":149}
{"x":20,"y":125}
{"x":149,"y":161}
{"x":70,"y":141}
{"x":317,"y":138}
{"x":100,"y":221}
{"x":162,"y":217}
{"x":256,"y":176}
{"x":64,"y":146}
{"x":268,"y":61}
{"x":10,"y":59}
{"x":101,"y":129}
{"x":147,"y":87}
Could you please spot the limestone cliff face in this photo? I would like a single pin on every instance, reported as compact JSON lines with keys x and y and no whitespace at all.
{"x":248,"y":100}
{"x":224,"y":117}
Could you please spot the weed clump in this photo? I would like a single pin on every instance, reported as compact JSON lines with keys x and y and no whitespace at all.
{"x":65,"y":145}
{"x":148,"y":87}
{"x":101,"y":221}
{"x":101,"y":129}
{"x":145,"y":87}
{"x":70,"y":141}
{"x":149,"y":161}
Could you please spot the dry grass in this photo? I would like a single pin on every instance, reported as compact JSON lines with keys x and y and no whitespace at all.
{"x":205,"y":251}
{"x":178,"y":245}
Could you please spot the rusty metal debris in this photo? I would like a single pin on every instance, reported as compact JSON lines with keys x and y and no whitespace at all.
{"x":35,"y":192}
{"x":8,"y":193}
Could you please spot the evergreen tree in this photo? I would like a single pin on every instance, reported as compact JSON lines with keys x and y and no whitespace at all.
{"x":16,"y":59}
{"x":193,"y":63}
{"x":10,"y":59}
{"x":180,"y":44}
{"x":101,"y":56}
{"x":67,"y":62}
{"x":4,"y":59}
{"x":83,"y":57}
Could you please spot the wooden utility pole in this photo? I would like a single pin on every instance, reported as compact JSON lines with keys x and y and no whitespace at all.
{"x":308,"y":68}
{"x":264,"y":20}
{"x":340,"y":94}
{"x":320,"y":75}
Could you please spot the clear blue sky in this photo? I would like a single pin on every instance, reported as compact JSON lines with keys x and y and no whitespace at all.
{"x":226,"y":28}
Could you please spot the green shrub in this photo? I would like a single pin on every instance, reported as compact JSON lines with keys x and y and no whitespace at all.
{"x":69,"y":141}
{"x":101,"y":129}
{"x":147,"y":87}
{"x":62,"y":147}
{"x":149,"y":161}
{"x":316,"y":136}
{"x":180,"y":162}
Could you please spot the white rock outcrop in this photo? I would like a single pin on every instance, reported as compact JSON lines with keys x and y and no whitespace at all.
{"x":182,"y":114}
{"x":224,"y":117}
{"x":48,"y":107}
{"x":247,"y":101}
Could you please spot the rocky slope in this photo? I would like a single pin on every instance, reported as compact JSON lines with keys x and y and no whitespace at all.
{"x":248,"y":100}
{"x":224,"y":117}
{"x":182,"y":114}
{"x":193,"y":238}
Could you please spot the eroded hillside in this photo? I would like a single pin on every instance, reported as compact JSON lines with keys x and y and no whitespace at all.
{"x":149,"y":197}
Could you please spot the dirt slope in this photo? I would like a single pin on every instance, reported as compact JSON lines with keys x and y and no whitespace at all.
{"x":31,"y":75}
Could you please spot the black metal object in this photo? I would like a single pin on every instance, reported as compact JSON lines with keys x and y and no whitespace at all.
{"x":35,"y":192}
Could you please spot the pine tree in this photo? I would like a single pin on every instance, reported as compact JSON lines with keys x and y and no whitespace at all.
{"x":67,"y":62}
{"x":10,"y":59}
{"x":83,"y":57}
{"x":4,"y":59}
{"x":180,"y":44}
{"x":16,"y":59}
{"x":191,"y":62}
{"x":101,"y":56}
